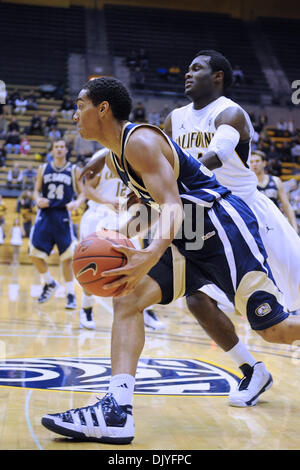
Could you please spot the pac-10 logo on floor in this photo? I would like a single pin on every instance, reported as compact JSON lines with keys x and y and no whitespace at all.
{"x":154,"y":376}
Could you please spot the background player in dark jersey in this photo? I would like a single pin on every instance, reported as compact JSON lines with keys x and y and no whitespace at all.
{"x":55,"y":189}
{"x":272,"y":186}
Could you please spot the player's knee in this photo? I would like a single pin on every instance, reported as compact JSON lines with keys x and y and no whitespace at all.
{"x":273,"y":334}
{"x":127,"y":305}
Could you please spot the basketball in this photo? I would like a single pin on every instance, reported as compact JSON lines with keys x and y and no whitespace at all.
{"x":96,"y":254}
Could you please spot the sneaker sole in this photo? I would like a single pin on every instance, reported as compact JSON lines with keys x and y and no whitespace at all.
{"x":88,"y":327}
{"x":70,"y":307}
{"x":253,"y":400}
{"x":79,"y":436}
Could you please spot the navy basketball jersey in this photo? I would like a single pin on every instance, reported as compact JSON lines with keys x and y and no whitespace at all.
{"x":196,"y":183}
{"x":58,"y":184}
{"x":270,"y":190}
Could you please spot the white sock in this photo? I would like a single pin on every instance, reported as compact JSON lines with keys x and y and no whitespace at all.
{"x":240,"y":355}
{"x":70,"y":287}
{"x":87,"y":301}
{"x":122,"y":387}
{"x":47,"y":277}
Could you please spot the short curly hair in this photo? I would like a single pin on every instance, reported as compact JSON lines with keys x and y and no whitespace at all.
{"x":219,"y":62}
{"x":111,"y":90}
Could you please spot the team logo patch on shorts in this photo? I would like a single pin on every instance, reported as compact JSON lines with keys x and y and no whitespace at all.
{"x":263,"y":310}
{"x":154,"y":376}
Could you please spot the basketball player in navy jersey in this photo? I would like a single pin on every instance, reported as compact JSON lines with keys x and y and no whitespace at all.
{"x":272,"y":186}
{"x":56,"y":186}
{"x":232,"y":256}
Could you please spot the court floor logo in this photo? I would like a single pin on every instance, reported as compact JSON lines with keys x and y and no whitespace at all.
{"x":154,"y":376}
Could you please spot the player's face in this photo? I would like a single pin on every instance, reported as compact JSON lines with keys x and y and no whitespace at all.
{"x":257,"y":164}
{"x":86,"y":117}
{"x":198,"y":79}
{"x":59,"y":149}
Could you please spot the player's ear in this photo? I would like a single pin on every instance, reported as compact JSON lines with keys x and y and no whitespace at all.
{"x":219,"y":76}
{"x":103,"y":108}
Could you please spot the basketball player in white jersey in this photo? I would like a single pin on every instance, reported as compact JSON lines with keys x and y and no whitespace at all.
{"x":272,"y":186}
{"x":105,"y":194}
{"x":218,"y":132}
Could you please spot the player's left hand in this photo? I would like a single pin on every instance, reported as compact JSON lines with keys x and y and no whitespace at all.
{"x":139,"y":263}
{"x":73,"y":205}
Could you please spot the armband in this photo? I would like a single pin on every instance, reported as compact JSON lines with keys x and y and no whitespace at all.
{"x":224,"y":142}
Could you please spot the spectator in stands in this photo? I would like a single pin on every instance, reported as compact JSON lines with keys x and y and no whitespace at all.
{"x":83,"y":149}
{"x":14,"y":177}
{"x":51,"y":122}
{"x":14,"y":125}
{"x":12,"y":99}
{"x":282,"y":125}
{"x":262,"y":122}
{"x":154,"y":118}
{"x":32,"y":101}
{"x":67,"y":108}
{"x":36,"y":125}
{"x":139,"y":113}
{"x":274,"y":167}
{"x":21,"y":105}
{"x":12,"y":143}
{"x":29,"y":175}
{"x":24,"y":145}
{"x":26,"y":208}
{"x":291,"y":126}
{"x":2,"y":155}
{"x":3,"y":126}
{"x":238,"y":75}
{"x":54,"y":134}
{"x":272,"y":153}
{"x":295,"y":150}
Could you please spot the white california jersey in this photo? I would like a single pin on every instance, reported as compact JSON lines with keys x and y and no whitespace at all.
{"x":193,"y":130}
{"x":109,"y":186}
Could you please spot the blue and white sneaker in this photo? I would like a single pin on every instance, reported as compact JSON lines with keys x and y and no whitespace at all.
{"x":47,"y":292}
{"x":256,"y":381}
{"x":105,"y":421}
{"x":71,"y":302}
{"x":151,"y":320}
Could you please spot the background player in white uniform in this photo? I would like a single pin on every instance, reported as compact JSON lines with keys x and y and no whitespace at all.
{"x":106,"y":194}
{"x":272,"y":186}
{"x":218,"y":132}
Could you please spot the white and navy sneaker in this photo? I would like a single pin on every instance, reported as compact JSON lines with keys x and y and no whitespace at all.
{"x":86,"y":318}
{"x":151,"y":320}
{"x":105,"y":421}
{"x":256,"y":381}
{"x":71,"y":302}
{"x":47,"y":291}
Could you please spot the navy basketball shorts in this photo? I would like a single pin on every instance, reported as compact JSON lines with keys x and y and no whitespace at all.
{"x":52,"y":227}
{"x":232,"y":257}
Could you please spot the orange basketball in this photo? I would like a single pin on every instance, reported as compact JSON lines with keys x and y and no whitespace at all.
{"x":96,"y":254}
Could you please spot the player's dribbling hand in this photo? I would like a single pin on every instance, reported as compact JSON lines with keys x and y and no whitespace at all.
{"x":43,"y":202}
{"x":139,"y":263}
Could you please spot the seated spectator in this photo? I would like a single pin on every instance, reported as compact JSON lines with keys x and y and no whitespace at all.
{"x":21,"y":105}
{"x":14,"y":177}
{"x":3,"y":126}
{"x":51,"y":121}
{"x":295,"y":150}
{"x":67,"y":108}
{"x":139,"y":113}
{"x":12,"y":143}
{"x":36,"y":125}
{"x":24,"y":145}
{"x":153,"y":118}
{"x":54,"y":134}
{"x":238,"y":75}
{"x":282,"y":125}
{"x":32,"y":101}
{"x":26,"y":208}
{"x":12,"y":99}
{"x":2,"y":155}
{"x":273,"y":153}
{"x":29,"y":175}
{"x":13,"y":125}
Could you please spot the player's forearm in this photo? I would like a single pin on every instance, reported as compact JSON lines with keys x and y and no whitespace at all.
{"x":169,"y":224}
{"x":140,"y":222}
{"x":291,"y":217}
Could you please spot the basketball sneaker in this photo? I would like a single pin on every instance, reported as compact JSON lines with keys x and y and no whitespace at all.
{"x":71,"y":302}
{"x":86,"y":318}
{"x":105,"y":421}
{"x":256,"y":380}
{"x":47,"y":291}
{"x":151,"y":320}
